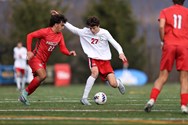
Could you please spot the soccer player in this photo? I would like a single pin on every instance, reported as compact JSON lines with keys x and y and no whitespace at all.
{"x":49,"y":39}
{"x":173,"y":29}
{"x":20,"y":65}
{"x":95,"y":43}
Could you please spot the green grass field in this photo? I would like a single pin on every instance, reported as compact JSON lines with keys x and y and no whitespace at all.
{"x":52,"y":105}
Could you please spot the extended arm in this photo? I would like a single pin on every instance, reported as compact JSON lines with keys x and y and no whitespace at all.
{"x":73,"y":29}
{"x":64,"y":49}
{"x":117,"y":46}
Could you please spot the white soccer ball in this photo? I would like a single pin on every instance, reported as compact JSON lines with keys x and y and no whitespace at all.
{"x":100,"y":98}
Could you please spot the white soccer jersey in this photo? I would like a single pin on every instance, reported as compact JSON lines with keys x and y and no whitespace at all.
{"x":20,"y":56}
{"x":95,"y":46}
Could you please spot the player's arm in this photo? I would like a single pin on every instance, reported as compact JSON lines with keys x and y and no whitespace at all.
{"x":15,"y":54}
{"x":24,"y":55}
{"x":162,"y":21}
{"x":64,"y":49}
{"x":117,"y":46}
{"x":161,"y":28}
{"x":73,"y":29}
{"x":30,"y":37}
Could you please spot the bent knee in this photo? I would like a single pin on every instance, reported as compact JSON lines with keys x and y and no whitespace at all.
{"x":95,"y":74}
{"x":42,"y":77}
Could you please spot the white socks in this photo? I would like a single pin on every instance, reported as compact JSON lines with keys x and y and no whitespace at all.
{"x":117,"y":80}
{"x":89,"y":84}
{"x":18,"y":83}
{"x":23,"y":82}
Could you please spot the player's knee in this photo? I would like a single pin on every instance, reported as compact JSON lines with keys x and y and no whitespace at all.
{"x":42,"y":77}
{"x":94,"y":74}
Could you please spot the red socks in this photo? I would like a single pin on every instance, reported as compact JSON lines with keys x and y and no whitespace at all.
{"x":184,"y":99}
{"x":33,"y":86}
{"x":154,"y":94}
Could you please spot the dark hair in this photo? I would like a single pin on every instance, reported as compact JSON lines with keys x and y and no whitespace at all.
{"x":57,"y":19}
{"x":180,"y":2}
{"x":92,"y":21}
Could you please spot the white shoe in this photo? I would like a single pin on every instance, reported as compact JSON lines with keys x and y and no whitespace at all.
{"x":149,"y":105}
{"x":23,"y":97}
{"x":121,"y":87}
{"x":84,"y":101}
{"x":184,"y":109}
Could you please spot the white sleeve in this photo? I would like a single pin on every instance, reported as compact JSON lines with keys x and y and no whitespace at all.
{"x":15,"y":54}
{"x":73,"y":29}
{"x":24,"y":55}
{"x":114,"y":43}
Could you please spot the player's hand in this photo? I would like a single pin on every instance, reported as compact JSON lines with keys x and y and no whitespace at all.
{"x":29,"y":55}
{"x":162,"y":44}
{"x":72,"y":53}
{"x":53,"y":12}
{"x":124,"y":60}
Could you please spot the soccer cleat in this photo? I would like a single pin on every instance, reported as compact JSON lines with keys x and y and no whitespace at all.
{"x":84,"y":101}
{"x":121,"y":87}
{"x":184,"y":109}
{"x":23,"y":98}
{"x":149,"y":105}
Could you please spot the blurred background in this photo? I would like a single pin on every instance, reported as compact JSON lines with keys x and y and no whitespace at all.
{"x":133,"y":23}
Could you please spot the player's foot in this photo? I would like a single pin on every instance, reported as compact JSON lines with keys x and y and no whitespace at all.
{"x":121,"y":87}
{"x":84,"y":101}
{"x":149,"y":105}
{"x":23,"y":98}
{"x":184,"y":109}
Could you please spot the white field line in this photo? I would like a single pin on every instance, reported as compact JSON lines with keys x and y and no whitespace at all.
{"x":157,"y":120}
{"x":76,"y":110}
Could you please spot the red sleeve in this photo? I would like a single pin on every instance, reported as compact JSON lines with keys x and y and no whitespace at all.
{"x":36,"y":34}
{"x":162,"y":15}
{"x":63,"y":47}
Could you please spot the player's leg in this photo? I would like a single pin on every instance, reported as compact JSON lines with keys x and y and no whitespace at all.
{"x":158,"y":84}
{"x":40,"y":75}
{"x":115,"y":83}
{"x":39,"y":70}
{"x":18,"y":79}
{"x":166,"y":64}
{"x":182,"y":67}
{"x":184,"y":91}
{"x":89,"y":84}
{"x":23,"y":79}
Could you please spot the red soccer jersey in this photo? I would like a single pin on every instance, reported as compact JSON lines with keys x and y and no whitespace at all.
{"x":48,"y":40}
{"x":176,"y":26}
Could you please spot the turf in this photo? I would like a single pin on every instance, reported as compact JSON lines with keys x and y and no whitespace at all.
{"x":52,"y":106}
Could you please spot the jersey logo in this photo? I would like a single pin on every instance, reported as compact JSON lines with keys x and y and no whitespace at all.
{"x":52,"y":45}
{"x":40,"y":65}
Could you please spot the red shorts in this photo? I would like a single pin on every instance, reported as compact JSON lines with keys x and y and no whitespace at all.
{"x":172,"y":53}
{"x":36,"y":64}
{"x":104,"y":67}
{"x":22,"y":71}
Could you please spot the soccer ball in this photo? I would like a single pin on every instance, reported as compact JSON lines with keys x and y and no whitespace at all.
{"x":100,"y":98}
